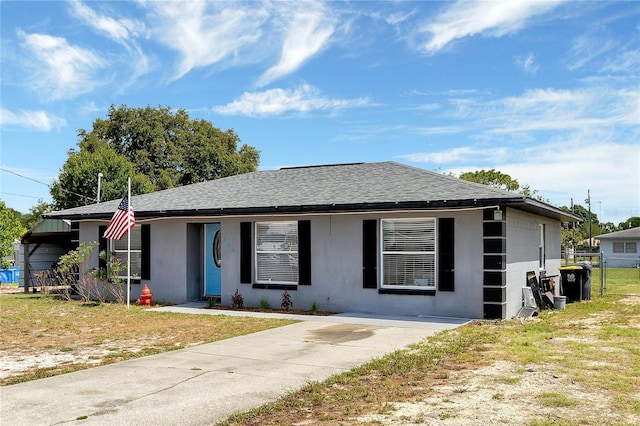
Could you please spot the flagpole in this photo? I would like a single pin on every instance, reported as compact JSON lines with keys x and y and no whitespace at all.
{"x":129,"y":242}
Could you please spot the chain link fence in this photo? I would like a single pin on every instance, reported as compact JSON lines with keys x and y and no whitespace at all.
{"x":620,"y":276}
{"x":611,"y":275}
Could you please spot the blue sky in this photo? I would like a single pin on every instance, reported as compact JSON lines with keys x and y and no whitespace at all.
{"x":547,"y":92}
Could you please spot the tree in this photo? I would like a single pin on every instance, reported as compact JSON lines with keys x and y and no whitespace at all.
{"x":632,"y":222}
{"x":29,"y":220}
{"x":492,"y":178}
{"x":10,"y":230}
{"x":496,"y":179}
{"x":77,"y":184}
{"x":170,"y":148}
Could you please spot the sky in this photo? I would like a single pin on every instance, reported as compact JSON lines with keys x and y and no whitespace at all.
{"x":545,"y":91}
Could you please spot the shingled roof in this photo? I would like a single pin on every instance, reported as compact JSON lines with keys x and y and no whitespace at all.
{"x":633,"y":233}
{"x":342,"y":187}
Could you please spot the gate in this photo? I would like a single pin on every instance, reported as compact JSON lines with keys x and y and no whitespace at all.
{"x":620,"y":276}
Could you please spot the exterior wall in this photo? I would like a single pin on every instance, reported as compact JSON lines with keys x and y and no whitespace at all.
{"x":523,"y":236}
{"x":168,"y":259}
{"x":620,"y":260}
{"x":336,"y":269}
{"x":42,"y":259}
{"x":337,"y":261}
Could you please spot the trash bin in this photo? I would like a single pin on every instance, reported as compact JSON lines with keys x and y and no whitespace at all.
{"x":9,"y":276}
{"x":576,"y":281}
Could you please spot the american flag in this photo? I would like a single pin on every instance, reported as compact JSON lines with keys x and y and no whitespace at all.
{"x":122,"y":221}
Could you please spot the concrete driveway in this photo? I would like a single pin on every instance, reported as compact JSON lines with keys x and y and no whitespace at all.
{"x":207,"y":383}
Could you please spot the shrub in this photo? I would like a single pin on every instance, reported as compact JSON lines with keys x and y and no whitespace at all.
{"x":263,"y":303}
{"x":314,"y":307}
{"x":287,"y":303}
{"x":237,"y":301}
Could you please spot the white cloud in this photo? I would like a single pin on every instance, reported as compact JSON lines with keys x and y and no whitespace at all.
{"x":119,"y":30}
{"x":626,"y":62}
{"x":60,"y":70}
{"x":550,"y":109}
{"x":123,"y":31}
{"x":32,"y":120}
{"x":565,"y":167}
{"x":204,"y":33}
{"x":489,"y":18}
{"x":458,"y":155}
{"x":309,"y":29}
{"x":582,"y":161}
{"x":588,"y":47}
{"x":527,"y":63}
{"x":273,"y":102}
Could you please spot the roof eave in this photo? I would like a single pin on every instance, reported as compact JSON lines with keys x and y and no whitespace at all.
{"x":298,"y":209}
{"x":521,"y":203}
{"x":544,"y":209}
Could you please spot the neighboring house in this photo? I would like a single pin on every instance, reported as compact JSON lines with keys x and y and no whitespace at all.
{"x":622,"y":248}
{"x":42,"y":247}
{"x":380,"y":238}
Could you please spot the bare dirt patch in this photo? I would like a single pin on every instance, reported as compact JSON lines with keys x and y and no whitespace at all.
{"x":500,"y":394}
{"x":44,"y":336}
{"x":575,"y":367}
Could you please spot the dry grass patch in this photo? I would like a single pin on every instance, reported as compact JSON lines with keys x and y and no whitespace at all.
{"x":573,"y":367}
{"x":43,"y":336}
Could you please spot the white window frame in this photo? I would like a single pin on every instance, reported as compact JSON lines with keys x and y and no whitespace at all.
{"x":542,"y":249}
{"x":288,"y":254}
{"x":119,"y":249}
{"x":430,"y":281}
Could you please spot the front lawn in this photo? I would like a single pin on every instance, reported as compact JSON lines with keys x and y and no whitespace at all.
{"x":43,"y":336}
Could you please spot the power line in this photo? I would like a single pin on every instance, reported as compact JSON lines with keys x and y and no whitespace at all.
{"x":19,"y":195}
{"x":48,"y":185}
{"x":24,"y":177}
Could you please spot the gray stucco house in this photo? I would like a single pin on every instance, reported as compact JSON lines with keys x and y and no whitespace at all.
{"x":370,"y":237}
{"x":621,"y":248}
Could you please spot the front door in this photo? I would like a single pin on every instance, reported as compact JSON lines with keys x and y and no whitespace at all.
{"x":212,"y":251}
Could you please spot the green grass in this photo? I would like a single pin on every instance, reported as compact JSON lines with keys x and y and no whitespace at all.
{"x":618,"y":280}
{"x":592,"y":345}
{"x":36,"y":324}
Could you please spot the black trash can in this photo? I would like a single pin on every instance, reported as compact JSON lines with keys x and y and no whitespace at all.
{"x":576,"y":281}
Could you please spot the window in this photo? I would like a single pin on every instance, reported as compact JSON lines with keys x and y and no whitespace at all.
{"x":119,"y":249}
{"x":625,"y":247}
{"x":277,"y":252}
{"x":541,"y":248}
{"x":408,"y":253}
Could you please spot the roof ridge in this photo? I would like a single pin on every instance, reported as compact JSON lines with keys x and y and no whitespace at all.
{"x":313,"y":166}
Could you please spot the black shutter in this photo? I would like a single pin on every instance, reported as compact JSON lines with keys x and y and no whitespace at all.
{"x":145,"y":232}
{"x":445,"y":254}
{"x":246,"y":252}
{"x":370,"y":253}
{"x":102,"y":247}
{"x":304,"y":252}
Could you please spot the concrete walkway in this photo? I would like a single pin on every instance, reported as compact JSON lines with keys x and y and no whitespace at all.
{"x":204,"y":384}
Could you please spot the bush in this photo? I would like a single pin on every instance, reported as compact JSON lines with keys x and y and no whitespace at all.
{"x":264,"y":303}
{"x":237,"y":301}
{"x":287,"y":303}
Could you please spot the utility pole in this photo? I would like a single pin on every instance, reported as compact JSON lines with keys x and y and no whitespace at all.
{"x":588,"y":201}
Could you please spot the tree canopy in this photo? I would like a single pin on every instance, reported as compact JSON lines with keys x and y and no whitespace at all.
{"x":29,"y":220}
{"x":10,"y":230}
{"x":77,"y":183}
{"x":492,"y":178}
{"x":158,"y":147}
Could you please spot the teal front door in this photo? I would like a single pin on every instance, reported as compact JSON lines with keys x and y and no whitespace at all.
{"x":212,"y":264}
